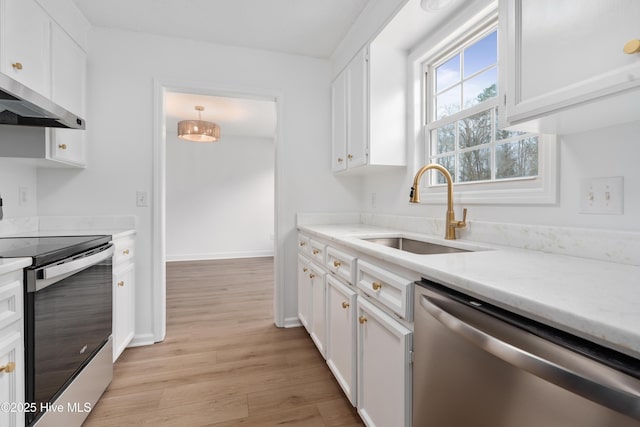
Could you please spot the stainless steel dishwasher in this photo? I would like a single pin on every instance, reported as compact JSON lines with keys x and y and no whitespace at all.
{"x":476,"y":365}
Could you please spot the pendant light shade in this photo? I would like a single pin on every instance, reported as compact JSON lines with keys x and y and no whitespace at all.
{"x":198,"y":130}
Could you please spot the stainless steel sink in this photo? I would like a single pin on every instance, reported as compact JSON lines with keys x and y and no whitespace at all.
{"x":414,"y":246}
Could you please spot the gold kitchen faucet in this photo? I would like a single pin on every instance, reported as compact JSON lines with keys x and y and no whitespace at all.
{"x":450,"y":220}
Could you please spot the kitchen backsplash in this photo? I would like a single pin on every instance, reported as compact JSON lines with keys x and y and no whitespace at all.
{"x":607,"y":245}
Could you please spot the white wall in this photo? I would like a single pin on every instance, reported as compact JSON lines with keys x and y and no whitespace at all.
{"x":121,"y":70}
{"x":16,"y":174}
{"x":219,"y":198}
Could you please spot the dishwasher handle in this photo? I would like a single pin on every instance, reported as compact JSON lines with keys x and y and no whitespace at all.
{"x":615,"y":393}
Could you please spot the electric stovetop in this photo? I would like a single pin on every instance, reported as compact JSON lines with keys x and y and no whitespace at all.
{"x":49,"y":249}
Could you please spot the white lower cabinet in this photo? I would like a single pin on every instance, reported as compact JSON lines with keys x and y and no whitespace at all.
{"x":11,"y":350}
{"x":384,"y":368}
{"x":341,"y":335}
{"x":124,"y":274}
{"x":304,"y":293}
{"x":318,"y":307}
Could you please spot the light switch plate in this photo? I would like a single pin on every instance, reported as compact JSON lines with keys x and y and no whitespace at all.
{"x":142,"y":199}
{"x":602,"y":195}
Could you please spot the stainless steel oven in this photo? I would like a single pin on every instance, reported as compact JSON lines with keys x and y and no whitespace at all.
{"x":68,"y":320}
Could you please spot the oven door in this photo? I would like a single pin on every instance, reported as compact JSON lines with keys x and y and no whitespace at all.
{"x":68,"y":314}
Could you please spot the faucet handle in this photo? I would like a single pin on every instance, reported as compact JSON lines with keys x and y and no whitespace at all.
{"x":462,"y":223}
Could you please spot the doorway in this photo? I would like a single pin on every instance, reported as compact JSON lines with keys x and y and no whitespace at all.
{"x":164,"y":131}
{"x":220,"y":195}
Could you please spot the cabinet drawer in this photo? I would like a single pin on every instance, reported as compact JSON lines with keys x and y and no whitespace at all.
{"x":303,"y":244}
{"x":389,"y":289}
{"x":317,"y":251}
{"x":10,"y":302}
{"x":125,"y":250}
{"x":341,"y":264}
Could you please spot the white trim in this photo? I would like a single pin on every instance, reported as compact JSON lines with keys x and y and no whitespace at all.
{"x":141,"y":340}
{"x":158,"y":225}
{"x":158,"y":288}
{"x":291,"y":322}
{"x":220,"y":255}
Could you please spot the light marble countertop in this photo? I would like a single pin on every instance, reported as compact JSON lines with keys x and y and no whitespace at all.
{"x":7,"y":265}
{"x":596,"y":300}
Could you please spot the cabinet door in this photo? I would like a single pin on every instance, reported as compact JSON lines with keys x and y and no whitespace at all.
{"x":67,"y":146}
{"x":12,"y":382}
{"x":68,"y":72}
{"x":357,"y":108}
{"x":318,"y":306}
{"x":304,"y":293}
{"x":25,"y":30}
{"x":68,"y":83}
{"x":123,"y":309}
{"x":384,"y":368}
{"x":561,"y":54}
{"x":339,"y":123}
{"x":341,"y":335}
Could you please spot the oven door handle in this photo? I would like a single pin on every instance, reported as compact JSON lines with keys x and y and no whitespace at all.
{"x":53,"y":274}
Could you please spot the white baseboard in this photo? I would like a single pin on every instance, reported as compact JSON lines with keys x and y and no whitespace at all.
{"x":292,"y":322}
{"x":141,"y":340}
{"x":219,"y":255}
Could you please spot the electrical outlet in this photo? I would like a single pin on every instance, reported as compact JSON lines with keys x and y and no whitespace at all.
{"x":602,"y":195}
{"x":142,"y":199}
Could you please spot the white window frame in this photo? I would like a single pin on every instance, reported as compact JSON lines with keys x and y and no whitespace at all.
{"x":538,"y":190}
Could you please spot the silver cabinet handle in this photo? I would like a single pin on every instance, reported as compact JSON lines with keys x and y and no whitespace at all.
{"x":591,"y":380}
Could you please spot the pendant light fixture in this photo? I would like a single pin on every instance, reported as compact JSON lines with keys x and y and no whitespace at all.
{"x":198,"y":130}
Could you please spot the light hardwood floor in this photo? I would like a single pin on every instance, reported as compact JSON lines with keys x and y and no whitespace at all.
{"x":223,"y":362}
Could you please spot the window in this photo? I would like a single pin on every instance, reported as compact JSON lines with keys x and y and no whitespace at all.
{"x":461,"y":126}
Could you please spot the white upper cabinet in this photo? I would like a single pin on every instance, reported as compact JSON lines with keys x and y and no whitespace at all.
{"x":368,"y":112}
{"x":563,"y":64}
{"x":68,"y":83}
{"x":349,"y":115}
{"x":40,"y":54}
{"x":25,"y":41}
{"x":68,"y":72}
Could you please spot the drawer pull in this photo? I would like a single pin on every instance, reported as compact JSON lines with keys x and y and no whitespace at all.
{"x":345,"y":304}
{"x":311,"y":276}
{"x":8,"y":368}
{"x":303,"y":243}
{"x":62,"y":146}
{"x":305,"y":269}
{"x":632,"y":46}
{"x":350,"y":156}
{"x":376,"y":286}
{"x":121,"y":283}
{"x":362,"y":320}
{"x":125,"y":252}
{"x":17,"y":65}
{"x":336,"y":264}
{"x":316,"y":251}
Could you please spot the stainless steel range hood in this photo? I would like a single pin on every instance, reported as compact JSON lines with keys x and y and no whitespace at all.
{"x":21,"y":106}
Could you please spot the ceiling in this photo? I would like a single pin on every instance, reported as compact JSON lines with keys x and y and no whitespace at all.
{"x":236,"y":116}
{"x":301,"y":27}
